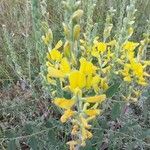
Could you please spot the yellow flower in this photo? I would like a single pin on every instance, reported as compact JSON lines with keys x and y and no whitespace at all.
{"x":89,"y":81}
{"x":137,"y":69}
{"x":75,"y":130}
{"x":126,"y":73}
{"x":138,"y":72}
{"x":88,"y":134}
{"x":92,"y":112}
{"x":84,"y":123}
{"x":64,"y":103}
{"x":59,"y":73}
{"x":49,"y":80}
{"x":85,"y":135}
{"x":67,"y":114}
{"x":134,"y":70}
{"x":142,"y":81}
{"x":130,"y":46}
{"x":52,"y":72}
{"x":72,"y":144}
{"x":59,"y":44}
{"x":109,"y":55}
{"x":98,"y":48}
{"x":103,"y":84}
{"x":96,"y":99}
{"x":137,"y":93}
{"x":126,"y":70}
{"x":101,"y":47}
{"x":95,"y":83}
{"x":54,"y":55}
{"x":130,"y":55}
{"x":127,"y":78}
{"x":95,"y":53}
{"x":87,"y":67}
{"x":77,"y":80}
{"x":65,"y":66}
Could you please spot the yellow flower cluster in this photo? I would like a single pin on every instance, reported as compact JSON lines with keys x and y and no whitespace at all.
{"x":133,"y":68}
{"x":84,"y":70}
{"x":89,"y":75}
{"x":80,"y":110}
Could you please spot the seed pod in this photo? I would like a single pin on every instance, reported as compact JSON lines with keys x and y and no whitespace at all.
{"x":76,"y":32}
{"x":67,"y":49}
{"x":66,"y":31}
{"x":77,"y":15}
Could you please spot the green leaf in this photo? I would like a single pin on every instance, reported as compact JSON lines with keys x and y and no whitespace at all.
{"x":33,"y":143}
{"x":116,"y":110}
{"x":28,"y":129}
{"x":99,"y":135}
{"x":88,"y":146}
{"x":52,"y":137}
{"x":67,"y":95}
{"x":146,"y":133}
{"x":112,"y":90}
{"x":58,"y":89}
{"x":12,"y":145}
{"x":48,"y":124}
{"x":10,"y":133}
{"x":103,"y":124}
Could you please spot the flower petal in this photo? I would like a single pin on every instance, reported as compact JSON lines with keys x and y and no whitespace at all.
{"x":64,"y":103}
{"x":65,"y":66}
{"x":96,"y":99}
{"x":77,"y":80}
{"x":52,"y":72}
{"x":67,"y":114}
{"x":92,"y":112}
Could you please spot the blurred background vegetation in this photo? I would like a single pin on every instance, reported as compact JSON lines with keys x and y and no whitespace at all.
{"x":25,"y":110}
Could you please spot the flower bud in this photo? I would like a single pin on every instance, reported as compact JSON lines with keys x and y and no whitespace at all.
{"x":67,"y":49}
{"x":66,"y":30}
{"x":76,"y":32}
{"x":77,"y":15}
